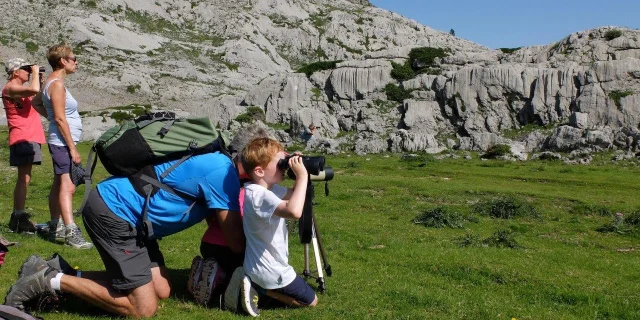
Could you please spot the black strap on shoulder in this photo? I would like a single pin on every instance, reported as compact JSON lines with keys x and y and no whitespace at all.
{"x":91,"y":165}
{"x":145,"y":227}
{"x":175,"y":165}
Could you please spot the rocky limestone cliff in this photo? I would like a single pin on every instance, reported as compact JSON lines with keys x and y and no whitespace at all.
{"x":220,"y":58}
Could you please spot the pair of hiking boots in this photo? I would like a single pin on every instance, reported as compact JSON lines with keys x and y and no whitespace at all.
{"x":21,"y":222}
{"x":34,"y":281}
{"x":71,"y":236}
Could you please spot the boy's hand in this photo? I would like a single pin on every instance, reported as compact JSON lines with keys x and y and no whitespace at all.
{"x":295,"y":163}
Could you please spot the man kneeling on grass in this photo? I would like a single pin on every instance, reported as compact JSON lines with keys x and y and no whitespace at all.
{"x":266,"y":270}
{"x":136,"y":277}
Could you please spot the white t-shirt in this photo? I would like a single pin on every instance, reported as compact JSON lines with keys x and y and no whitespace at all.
{"x":266,"y":259}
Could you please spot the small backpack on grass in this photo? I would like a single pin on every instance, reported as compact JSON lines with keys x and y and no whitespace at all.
{"x":132,"y":148}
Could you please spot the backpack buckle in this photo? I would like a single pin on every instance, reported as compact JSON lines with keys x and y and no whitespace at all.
{"x":193,"y":145}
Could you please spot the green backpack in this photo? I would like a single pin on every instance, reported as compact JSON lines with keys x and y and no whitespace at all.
{"x":133,"y":147}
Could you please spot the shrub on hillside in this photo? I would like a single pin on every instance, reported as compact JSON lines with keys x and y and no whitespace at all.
{"x":497,"y":150}
{"x":402,"y":72}
{"x":251,"y":114}
{"x":468,"y":240}
{"x":509,"y":50}
{"x":121,"y":116}
{"x":616,"y":95}
{"x":425,"y":56}
{"x":309,"y":69}
{"x":502,"y":239}
{"x":612,"y":34}
{"x":440,"y":217}
{"x":506,"y":208}
{"x":396,"y":93}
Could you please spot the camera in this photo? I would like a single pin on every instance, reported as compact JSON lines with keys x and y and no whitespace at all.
{"x":314,"y":165}
{"x":28,"y":69}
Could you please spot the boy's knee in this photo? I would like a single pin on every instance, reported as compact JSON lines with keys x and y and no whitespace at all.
{"x":314,"y":303}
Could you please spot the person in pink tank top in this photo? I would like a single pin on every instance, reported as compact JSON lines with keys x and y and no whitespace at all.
{"x":25,"y":133}
{"x":213,"y":244}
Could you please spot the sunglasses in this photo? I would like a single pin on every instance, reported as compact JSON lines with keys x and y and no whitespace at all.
{"x":74,"y":58}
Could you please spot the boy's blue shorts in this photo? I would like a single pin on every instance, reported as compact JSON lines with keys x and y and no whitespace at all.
{"x":299,"y":290}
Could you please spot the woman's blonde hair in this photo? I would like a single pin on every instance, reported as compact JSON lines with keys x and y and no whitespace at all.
{"x":56,"y":53}
{"x":259,"y":152}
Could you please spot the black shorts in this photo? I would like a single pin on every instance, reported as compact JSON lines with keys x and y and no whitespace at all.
{"x":128,"y":261}
{"x":25,"y":152}
{"x":227,"y":259}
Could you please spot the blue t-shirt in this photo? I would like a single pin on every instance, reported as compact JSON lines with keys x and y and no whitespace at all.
{"x":210,"y":177}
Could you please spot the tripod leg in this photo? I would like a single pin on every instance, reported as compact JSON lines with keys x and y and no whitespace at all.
{"x":321,"y":284}
{"x":307,"y":271}
{"x":327,"y":266}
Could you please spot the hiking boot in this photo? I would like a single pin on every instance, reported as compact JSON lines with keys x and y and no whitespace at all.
{"x":58,"y":263}
{"x":57,"y":233}
{"x":31,"y":265}
{"x":75,"y":239}
{"x":249,"y":297}
{"x":20,"y":222}
{"x":30,"y":286}
{"x":232,"y":294}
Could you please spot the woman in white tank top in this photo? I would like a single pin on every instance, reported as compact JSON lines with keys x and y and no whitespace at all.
{"x":65,"y":128}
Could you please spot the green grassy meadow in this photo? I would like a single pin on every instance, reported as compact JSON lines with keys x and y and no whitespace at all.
{"x":385,"y":266}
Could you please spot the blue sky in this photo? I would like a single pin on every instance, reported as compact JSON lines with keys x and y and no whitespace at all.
{"x":515,"y":23}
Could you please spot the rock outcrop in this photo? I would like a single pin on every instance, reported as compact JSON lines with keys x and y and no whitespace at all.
{"x":218,"y":59}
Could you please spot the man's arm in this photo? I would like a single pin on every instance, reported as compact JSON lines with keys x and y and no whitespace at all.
{"x":231,"y":225}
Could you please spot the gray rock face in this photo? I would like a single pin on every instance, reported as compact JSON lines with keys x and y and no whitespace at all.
{"x":356,"y":80}
{"x":219,"y":58}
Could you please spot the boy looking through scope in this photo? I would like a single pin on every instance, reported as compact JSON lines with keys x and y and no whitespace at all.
{"x":266,"y":270}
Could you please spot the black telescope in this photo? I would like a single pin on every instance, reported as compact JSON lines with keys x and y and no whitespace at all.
{"x":314,"y":165}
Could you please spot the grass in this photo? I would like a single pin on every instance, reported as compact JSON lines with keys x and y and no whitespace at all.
{"x":385,"y":266}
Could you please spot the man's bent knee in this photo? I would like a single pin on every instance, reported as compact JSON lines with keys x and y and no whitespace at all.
{"x":163,"y":293}
{"x":144,"y":301}
{"x":161,"y":283}
{"x":146,"y":311}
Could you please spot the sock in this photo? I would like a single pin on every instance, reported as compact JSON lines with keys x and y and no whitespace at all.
{"x":55,"y":281}
{"x":70,"y":225}
{"x":54,"y":222}
{"x":17,"y":212}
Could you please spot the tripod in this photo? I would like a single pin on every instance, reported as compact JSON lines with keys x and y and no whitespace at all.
{"x":309,"y":234}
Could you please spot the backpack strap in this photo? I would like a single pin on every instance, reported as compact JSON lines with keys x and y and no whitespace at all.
{"x":91,"y":165}
{"x":145,"y":228}
{"x":175,"y":165}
